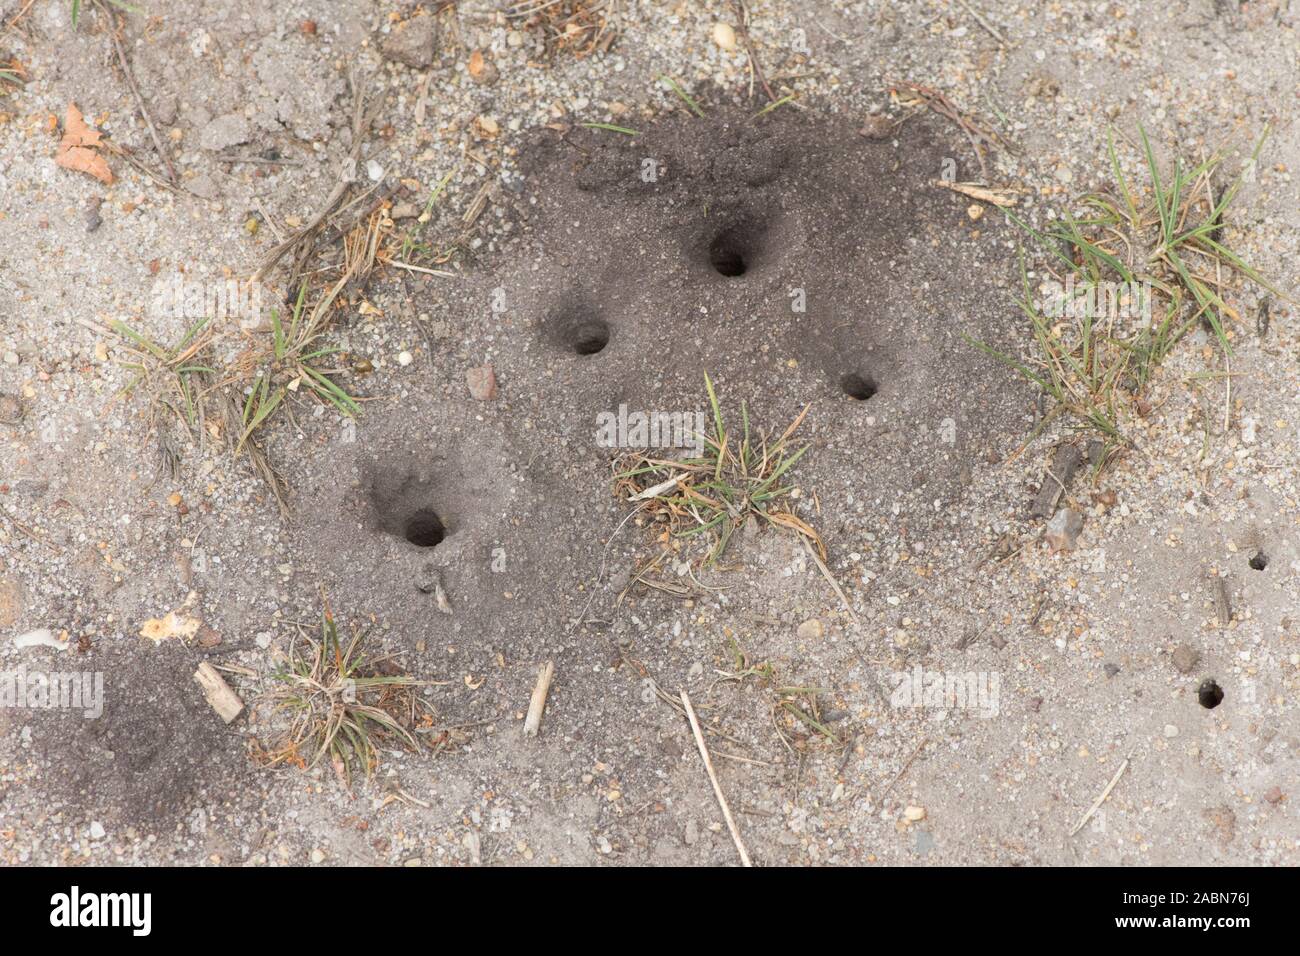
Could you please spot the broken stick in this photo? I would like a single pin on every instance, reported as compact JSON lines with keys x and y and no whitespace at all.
{"x":1101,"y":799}
{"x":996,"y":196}
{"x":538,"y":702}
{"x":223,"y":700}
{"x":713,"y":779}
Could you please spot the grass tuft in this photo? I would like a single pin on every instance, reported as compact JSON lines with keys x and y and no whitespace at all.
{"x":1156,"y":261}
{"x":737,"y":478}
{"x":342,"y":704}
{"x":797,"y":705}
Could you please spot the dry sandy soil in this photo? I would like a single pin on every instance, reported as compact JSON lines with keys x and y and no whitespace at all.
{"x":803,"y":257}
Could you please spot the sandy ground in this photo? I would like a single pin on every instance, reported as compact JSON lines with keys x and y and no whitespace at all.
{"x":933,"y":543}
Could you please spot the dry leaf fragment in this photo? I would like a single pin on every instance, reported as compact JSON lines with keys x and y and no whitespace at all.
{"x":475,"y":65}
{"x":75,"y":130}
{"x":77,"y":148}
{"x":82,"y":160}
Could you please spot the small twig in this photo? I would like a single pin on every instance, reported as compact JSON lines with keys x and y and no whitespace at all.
{"x":835,"y":586}
{"x":39,"y":539}
{"x":600,"y":574}
{"x":410,"y":268}
{"x":713,"y":779}
{"x":135,"y":91}
{"x":257,"y":160}
{"x":742,"y":16}
{"x":998,"y":197}
{"x":1101,"y":799}
{"x":656,"y":490}
{"x":853,"y":616}
{"x":903,"y":769}
{"x":979,"y":18}
{"x":304,"y":238}
{"x":538,"y":702}
{"x":18,"y":16}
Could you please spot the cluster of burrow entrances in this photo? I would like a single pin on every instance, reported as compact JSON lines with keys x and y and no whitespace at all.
{"x":578,"y":327}
{"x":1209,"y":694}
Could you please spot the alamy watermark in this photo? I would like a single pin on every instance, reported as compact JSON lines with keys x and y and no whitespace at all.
{"x":946,"y":690}
{"x":637,"y":429}
{"x":55,"y":690}
{"x":218,"y":300}
{"x":1096,"y":300}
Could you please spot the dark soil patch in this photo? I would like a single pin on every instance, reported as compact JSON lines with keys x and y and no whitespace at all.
{"x":793,"y":261}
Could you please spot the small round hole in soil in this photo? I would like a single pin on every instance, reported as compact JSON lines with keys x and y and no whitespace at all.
{"x":727,"y":254}
{"x":1259,"y":561}
{"x":858,"y":387}
{"x":588,"y":336}
{"x":425,"y":529}
{"x":1209,"y":694}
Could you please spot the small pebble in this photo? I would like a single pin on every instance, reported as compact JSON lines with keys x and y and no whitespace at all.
{"x":1186,"y":658}
{"x":877,"y":126}
{"x":1062,"y":533}
{"x":482,"y":382}
{"x":811,"y":629}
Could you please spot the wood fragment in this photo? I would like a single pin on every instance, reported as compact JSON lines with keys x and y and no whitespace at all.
{"x":656,"y":490}
{"x":998,"y":196}
{"x":713,"y":779}
{"x":533,"y":722}
{"x":224,"y":701}
{"x":440,"y":595}
{"x":1222,"y":601}
{"x":1064,"y":464}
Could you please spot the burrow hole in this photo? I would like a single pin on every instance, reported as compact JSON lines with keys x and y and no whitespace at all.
{"x":729,"y":253}
{"x":424,"y":528}
{"x":858,"y":387}
{"x":1259,"y":561}
{"x":588,"y":336}
{"x":1210,"y":694}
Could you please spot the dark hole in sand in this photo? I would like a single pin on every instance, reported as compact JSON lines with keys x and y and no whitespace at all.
{"x":858,"y":387}
{"x":729,"y":253}
{"x":588,"y":336}
{"x":1259,"y":561}
{"x":1209,"y":694}
{"x":425,"y":529}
